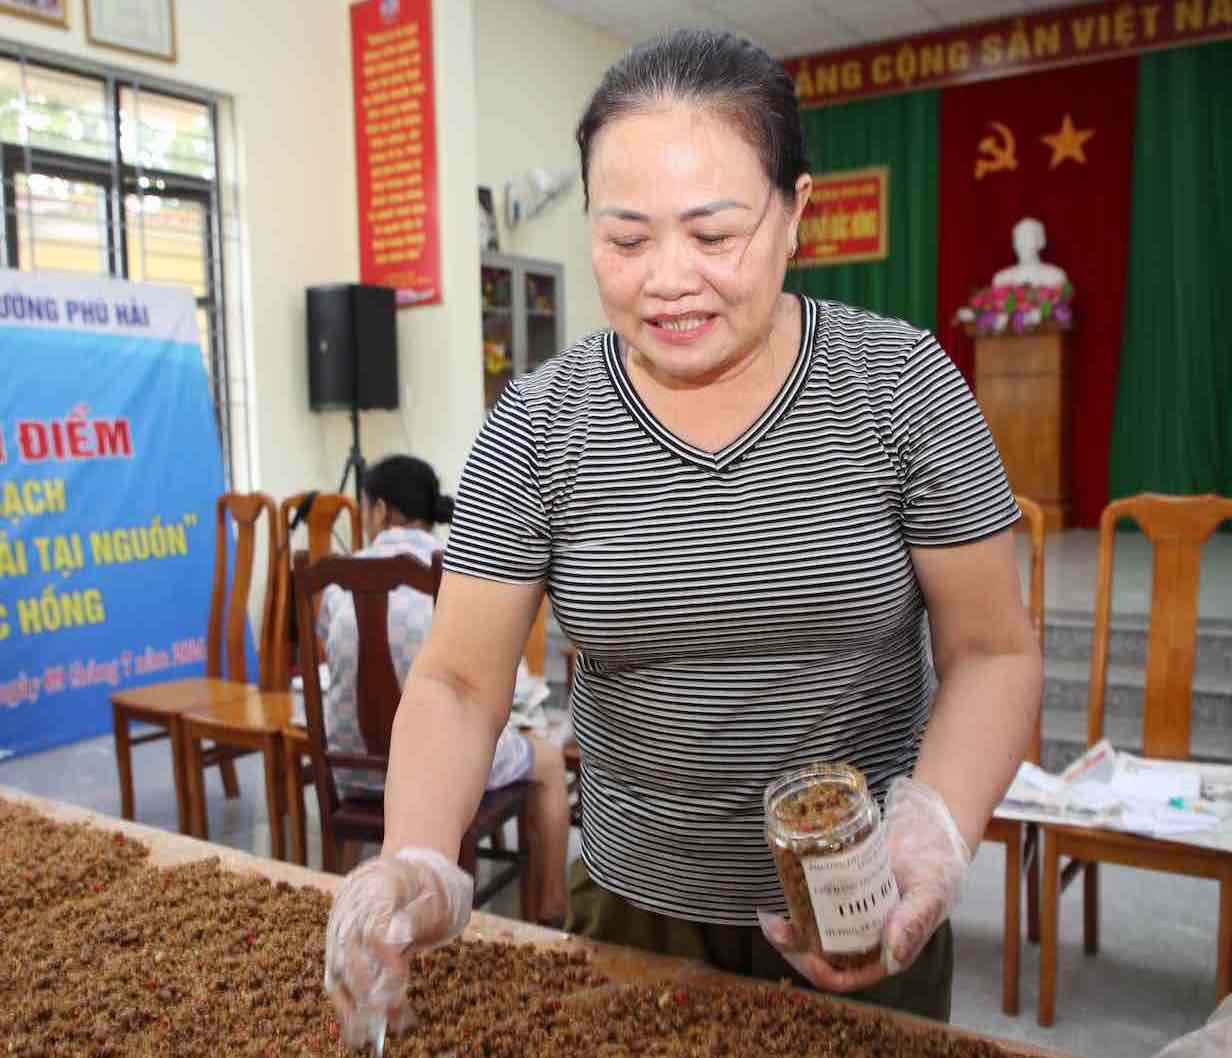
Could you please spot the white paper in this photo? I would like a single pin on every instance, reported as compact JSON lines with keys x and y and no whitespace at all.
{"x":1119,"y":791}
{"x":1154,"y":783}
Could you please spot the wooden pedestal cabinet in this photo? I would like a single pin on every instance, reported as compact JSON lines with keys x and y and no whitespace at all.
{"x":1022,"y":383}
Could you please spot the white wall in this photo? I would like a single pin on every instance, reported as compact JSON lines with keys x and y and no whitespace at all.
{"x":535,"y":69}
{"x":290,"y":168}
{"x":439,"y":345}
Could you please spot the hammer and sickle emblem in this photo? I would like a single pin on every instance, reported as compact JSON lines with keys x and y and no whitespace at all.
{"x":998,"y":151}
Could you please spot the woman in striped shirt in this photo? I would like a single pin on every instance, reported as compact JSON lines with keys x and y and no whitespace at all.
{"x":742,"y":504}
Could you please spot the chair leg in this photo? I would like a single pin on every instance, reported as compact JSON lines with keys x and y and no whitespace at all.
{"x":1050,"y":906}
{"x":198,"y":816}
{"x":468,"y":855}
{"x":275,"y":802}
{"x":179,"y":770}
{"x":528,"y":880}
{"x":296,"y":820}
{"x":1223,"y":972}
{"x":1013,"y":923}
{"x":1090,"y":909}
{"x":230,"y":780}
{"x":349,"y":855}
{"x":329,"y":847}
{"x":1033,"y":883}
{"x":124,"y":760}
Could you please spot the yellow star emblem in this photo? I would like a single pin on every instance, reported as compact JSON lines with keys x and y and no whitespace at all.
{"x":1067,"y":143}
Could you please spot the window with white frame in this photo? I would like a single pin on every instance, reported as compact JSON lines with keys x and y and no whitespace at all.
{"x":106,"y":175}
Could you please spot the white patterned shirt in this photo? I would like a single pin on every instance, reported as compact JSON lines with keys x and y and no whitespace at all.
{"x":410,"y":617}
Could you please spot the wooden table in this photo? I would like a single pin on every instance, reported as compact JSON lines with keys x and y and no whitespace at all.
{"x":254,"y":721}
{"x":621,"y":965}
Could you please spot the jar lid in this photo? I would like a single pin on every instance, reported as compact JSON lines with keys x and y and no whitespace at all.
{"x":853,"y":813}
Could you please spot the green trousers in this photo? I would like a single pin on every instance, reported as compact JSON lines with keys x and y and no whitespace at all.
{"x":922,"y":989}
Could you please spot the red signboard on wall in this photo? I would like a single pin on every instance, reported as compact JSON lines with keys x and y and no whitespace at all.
{"x":845,"y":219}
{"x":395,"y":148}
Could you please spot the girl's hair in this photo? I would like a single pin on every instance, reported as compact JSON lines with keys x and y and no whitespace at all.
{"x":409,"y":486}
{"x":710,"y":69}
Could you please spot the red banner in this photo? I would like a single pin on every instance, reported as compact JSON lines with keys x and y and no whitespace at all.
{"x":1007,"y":47}
{"x":395,"y":148}
{"x":1057,"y":147}
{"x":845,"y":219}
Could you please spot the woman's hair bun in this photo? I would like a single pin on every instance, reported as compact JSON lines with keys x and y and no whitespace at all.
{"x":443,"y":509}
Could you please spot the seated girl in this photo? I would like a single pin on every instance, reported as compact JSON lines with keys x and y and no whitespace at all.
{"x":401,"y":503}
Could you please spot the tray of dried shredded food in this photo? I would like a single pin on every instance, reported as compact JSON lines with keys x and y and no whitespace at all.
{"x":130,"y":960}
{"x":106,"y":956}
{"x":43,"y":864}
{"x":720,"y":1021}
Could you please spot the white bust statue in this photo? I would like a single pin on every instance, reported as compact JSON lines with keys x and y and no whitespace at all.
{"x":1028,"y":242}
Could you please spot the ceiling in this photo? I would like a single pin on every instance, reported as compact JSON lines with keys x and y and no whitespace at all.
{"x":795,"y":27}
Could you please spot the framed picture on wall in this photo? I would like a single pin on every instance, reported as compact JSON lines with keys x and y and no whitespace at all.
{"x":54,"y":12}
{"x":143,"y":27}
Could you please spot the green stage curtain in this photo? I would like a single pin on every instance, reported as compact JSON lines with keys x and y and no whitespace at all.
{"x":900,"y":132}
{"x":1172,"y":431}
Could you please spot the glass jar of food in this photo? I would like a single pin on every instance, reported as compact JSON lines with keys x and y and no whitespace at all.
{"x":825,"y":831}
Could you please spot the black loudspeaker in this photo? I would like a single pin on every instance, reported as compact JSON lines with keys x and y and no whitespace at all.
{"x":352,"y":347}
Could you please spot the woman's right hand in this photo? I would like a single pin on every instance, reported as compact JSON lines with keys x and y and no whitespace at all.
{"x":385,"y":910}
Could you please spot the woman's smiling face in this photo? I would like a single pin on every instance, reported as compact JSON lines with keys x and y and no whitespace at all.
{"x":689,"y":239}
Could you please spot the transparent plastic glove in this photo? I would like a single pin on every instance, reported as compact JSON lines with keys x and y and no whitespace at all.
{"x":384,"y":910}
{"x":930,"y":861}
{"x":1214,"y":1040}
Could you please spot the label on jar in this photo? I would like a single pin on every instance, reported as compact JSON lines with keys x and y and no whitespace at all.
{"x":852,"y":892}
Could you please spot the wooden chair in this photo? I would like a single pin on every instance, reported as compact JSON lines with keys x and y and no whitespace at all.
{"x":1021,"y":840}
{"x":250,"y":724}
{"x":1176,"y":526}
{"x":163,"y":704}
{"x":355,"y":819}
{"x":321,"y":512}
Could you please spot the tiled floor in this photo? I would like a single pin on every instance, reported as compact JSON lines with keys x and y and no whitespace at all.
{"x":1153,"y":981}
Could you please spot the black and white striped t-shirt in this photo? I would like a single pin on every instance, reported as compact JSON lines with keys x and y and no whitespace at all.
{"x":738,"y":613}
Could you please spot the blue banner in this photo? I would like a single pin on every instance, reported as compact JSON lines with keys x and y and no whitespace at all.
{"x":109,"y":469}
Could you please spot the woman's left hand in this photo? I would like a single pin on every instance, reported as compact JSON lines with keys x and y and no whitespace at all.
{"x":929,"y":859}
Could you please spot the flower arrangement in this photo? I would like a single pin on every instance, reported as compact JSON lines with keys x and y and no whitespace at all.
{"x":1018,"y":309}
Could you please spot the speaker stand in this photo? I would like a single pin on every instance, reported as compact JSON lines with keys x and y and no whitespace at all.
{"x":355,"y":460}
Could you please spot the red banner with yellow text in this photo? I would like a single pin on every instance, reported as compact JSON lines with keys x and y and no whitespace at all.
{"x":395,"y":148}
{"x":1057,"y":147}
{"x":1008,"y":47}
{"x":845,"y":219}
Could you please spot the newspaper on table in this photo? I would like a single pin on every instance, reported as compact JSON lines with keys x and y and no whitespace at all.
{"x":1181,"y":801}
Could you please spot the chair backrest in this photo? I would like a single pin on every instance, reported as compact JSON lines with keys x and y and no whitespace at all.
{"x":323,"y":509}
{"x":229,"y":603}
{"x":323,"y":512}
{"x":1176,"y":526}
{"x":377,"y":691}
{"x":1035,"y":526}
